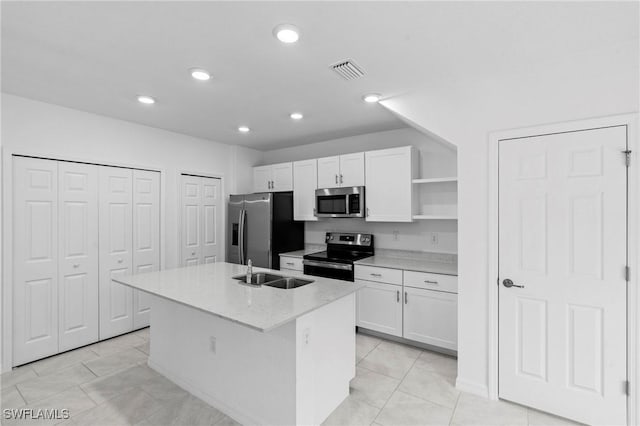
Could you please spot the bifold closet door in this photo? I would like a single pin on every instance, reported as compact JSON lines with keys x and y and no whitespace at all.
{"x":201,"y":220}
{"x":35,"y":259}
{"x":78,"y":254}
{"x":116,"y":243}
{"x":146,"y":237}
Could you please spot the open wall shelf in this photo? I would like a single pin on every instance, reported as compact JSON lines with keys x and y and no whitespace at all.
{"x":435,"y":180}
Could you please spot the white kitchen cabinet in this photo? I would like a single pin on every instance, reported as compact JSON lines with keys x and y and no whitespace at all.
{"x":291,"y":263}
{"x":305,"y":183}
{"x":77,"y":254}
{"x":389,"y":189}
{"x":116,"y":244}
{"x":273,"y":178}
{"x":431,"y":317}
{"x":341,"y":171}
{"x":379,"y":307}
{"x":352,"y":169}
{"x":262,"y":177}
{"x":35,"y":259}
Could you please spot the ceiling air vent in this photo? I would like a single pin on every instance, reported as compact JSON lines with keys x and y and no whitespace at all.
{"x":347,"y":69}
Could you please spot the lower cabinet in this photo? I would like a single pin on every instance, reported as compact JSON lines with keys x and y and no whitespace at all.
{"x":418,"y":314}
{"x":379,"y":307}
{"x":291,"y":263}
{"x":431,"y":317}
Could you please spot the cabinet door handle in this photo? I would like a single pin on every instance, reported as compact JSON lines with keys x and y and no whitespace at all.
{"x":193,"y":253}
{"x":336,"y":178}
{"x":376,"y":275}
{"x":431,"y":282}
{"x":76,"y":265}
{"x":341,"y":181}
{"x":405,"y":297}
{"x":289,"y":263}
{"x":120,"y":261}
{"x":397,"y":295}
{"x":367,"y":211}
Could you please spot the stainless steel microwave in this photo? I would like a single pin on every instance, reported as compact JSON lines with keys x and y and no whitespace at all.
{"x":340,"y":202}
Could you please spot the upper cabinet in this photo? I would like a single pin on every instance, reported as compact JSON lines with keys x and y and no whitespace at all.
{"x":341,"y":171}
{"x":388,"y":184}
{"x":305,"y":183}
{"x":273,"y":178}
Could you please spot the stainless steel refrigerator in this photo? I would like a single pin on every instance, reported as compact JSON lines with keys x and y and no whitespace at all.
{"x":260,"y":227}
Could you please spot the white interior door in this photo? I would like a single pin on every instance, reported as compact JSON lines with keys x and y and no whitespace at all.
{"x":35,"y":259}
{"x":211,"y":207}
{"x":78,"y":254}
{"x":191,"y":238}
{"x":146,"y":237}
{"x":115,"y":195}
{"x":562,"y":214}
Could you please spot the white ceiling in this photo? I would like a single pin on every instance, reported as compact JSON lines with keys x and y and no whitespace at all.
{"x":97,"y":56}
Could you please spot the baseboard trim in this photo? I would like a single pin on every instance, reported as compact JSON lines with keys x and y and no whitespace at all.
{"x":236,"y":415}
{"x":472,"y":387}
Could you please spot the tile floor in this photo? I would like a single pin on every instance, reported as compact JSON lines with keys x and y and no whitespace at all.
{"x":108,"y":383}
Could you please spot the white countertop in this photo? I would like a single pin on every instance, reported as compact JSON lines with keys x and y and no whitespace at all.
{"x":308,"y":249}
{"x":436,"y":263}
{"x":211,"y":288}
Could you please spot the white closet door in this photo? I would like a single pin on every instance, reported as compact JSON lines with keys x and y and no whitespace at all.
{"x":116,"y":307}
{"x":191,"y":222}
{"x":78,"y":254}
{"x":211,"y":220}
{"x":146,"y":237}
{"x":35,"y":235}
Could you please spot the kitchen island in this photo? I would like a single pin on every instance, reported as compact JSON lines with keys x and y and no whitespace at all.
{"x":262,"y":355}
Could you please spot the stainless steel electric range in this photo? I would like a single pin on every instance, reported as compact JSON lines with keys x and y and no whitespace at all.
{"x":343,"y":249}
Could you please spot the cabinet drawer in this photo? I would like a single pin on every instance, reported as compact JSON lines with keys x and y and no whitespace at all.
{"x":382,"y":275}
{"x":448,"y":283}
{"x":293,"y":263}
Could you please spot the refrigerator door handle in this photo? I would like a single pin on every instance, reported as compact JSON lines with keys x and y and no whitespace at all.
{"x":241,"y":223}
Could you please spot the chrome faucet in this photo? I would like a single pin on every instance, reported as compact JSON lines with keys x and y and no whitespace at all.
{"x":249,"y":271}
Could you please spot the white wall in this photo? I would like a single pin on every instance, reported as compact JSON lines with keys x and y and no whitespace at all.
{"x":587,"y":84}
{"x":436,"y":160}
{"x":37,"y":128}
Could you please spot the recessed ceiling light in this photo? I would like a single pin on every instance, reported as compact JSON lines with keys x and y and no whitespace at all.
{"x":200,"y":74}
{"x":148,"y":100}
{"x":371,"y":97}
{"x":243,"y":129}
{"x":286,"y":33}
{"x":296,"y":115}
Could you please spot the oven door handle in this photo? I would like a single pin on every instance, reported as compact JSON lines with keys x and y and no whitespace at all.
{"x":328,"y":265}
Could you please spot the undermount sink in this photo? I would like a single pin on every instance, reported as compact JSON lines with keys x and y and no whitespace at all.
{"x":273,"y":280}
{"x":289,"y":282}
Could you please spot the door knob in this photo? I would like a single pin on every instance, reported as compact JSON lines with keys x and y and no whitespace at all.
{"x":508,"y":284}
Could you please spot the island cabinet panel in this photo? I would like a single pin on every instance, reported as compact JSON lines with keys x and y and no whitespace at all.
{"x":305,"y":183}
{"x":78,"y":254}
{"x":201,"y":220}
{"x":146,"y":237}
{"x":35,"y":259}
{"x":116,"y":246}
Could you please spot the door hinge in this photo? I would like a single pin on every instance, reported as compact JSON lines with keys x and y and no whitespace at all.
{"x":627,"y":159}
{"x":627,"y":387}
{"x":627,"y":273}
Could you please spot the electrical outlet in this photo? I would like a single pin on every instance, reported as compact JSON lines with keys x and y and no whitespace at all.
{"x":434,"y":238}
{"x":395,"y":235}
{"x":212,"y":344}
